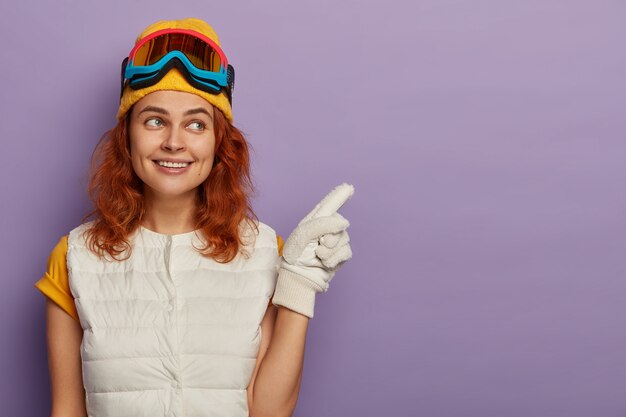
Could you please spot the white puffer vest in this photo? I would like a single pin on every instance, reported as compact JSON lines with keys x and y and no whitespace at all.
{"x":168,"y":332}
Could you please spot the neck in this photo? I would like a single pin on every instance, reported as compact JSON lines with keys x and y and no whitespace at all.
{"x":169,"y":215}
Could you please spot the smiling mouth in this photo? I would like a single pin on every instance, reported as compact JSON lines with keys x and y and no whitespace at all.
{"x":167,"y":164}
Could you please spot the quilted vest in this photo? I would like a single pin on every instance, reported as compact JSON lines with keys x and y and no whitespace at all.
{"x":168,"y":332}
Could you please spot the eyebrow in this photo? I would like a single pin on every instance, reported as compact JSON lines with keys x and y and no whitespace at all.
{"x":161,"y":110}
{"x":198,"y":110}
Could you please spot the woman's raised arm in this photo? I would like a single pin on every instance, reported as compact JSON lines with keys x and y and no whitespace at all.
{"x":311,"y":256}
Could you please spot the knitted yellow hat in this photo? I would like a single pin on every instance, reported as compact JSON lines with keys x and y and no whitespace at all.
{"x":174,"y":80}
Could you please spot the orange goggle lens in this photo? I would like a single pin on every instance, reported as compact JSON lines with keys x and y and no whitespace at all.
{"x":202,"y":55}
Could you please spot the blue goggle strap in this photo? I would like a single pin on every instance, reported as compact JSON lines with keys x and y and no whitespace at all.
{"x":209,"y":85}
{"x":133,"y":73}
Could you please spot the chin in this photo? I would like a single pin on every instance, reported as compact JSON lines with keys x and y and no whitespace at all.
{"x":172,"y":192}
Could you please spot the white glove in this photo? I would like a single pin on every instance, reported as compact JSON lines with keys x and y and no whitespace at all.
{"x":313,"y":253}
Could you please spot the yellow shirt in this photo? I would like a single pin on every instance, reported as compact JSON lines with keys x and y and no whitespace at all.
{"x":55,"y":282}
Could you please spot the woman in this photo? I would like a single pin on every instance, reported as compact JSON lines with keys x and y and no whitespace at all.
{"x":174,"y":300}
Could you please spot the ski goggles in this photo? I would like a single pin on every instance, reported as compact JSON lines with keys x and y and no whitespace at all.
{"x":201,"y":61}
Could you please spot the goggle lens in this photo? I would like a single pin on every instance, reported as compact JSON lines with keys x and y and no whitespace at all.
{"x":201,"y":54}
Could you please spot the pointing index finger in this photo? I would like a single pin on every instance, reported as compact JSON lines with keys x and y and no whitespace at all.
{"x":334,"y":200}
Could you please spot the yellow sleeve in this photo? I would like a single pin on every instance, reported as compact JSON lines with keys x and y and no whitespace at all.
{"x":55,"y":282}
{"x":281,"y":243}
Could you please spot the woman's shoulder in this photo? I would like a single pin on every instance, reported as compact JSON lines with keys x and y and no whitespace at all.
{"x":55,"y":283}
{"x":60,"y":249}
{"x":77,"y":235}
{"x":269,"y":236}
{"x":57,"y":261}
{"x":266,"y":228}
{"x":83,"y":227}
{"x":273,"y":235}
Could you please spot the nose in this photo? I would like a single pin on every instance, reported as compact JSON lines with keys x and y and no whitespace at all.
{"x":174,"y":142}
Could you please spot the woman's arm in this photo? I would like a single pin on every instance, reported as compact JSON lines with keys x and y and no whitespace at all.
{"x":311,"y":256}
{"x":64,"y":336}
{"x":275,"y":385}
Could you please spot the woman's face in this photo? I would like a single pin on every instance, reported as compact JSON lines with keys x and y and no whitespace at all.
{"x":172,"y":142}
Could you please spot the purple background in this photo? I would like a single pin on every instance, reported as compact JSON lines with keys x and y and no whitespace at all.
{"x":485,"y":140}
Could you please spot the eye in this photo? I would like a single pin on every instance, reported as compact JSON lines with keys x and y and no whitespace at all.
{"x":197,"y":125}
{"x":154,"y":122}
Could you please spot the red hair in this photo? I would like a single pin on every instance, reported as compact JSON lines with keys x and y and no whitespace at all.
{"x":223,"y":204}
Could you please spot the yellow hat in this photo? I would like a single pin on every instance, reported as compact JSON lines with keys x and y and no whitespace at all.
{"x":174,"y":80}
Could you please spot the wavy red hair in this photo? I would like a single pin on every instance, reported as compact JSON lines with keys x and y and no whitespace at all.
{"x":223,"y":202}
